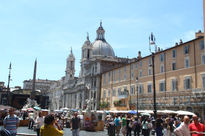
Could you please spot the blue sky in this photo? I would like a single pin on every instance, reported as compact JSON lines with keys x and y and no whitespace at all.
{"x":47,"y":29}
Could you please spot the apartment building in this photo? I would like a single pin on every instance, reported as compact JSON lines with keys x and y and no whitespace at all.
{"x":179,"y":80}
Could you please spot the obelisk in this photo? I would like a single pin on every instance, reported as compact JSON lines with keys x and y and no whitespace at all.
{"x":32,"y":96}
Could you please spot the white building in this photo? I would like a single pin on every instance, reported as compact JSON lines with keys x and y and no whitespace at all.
{"x":97,"y":57}
{"x":41,"y":85}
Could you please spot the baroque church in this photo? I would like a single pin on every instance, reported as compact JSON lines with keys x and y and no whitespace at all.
{"x":97,"y":57}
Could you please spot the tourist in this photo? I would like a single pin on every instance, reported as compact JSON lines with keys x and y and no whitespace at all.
{"x":136,"y":126}
{"x":111,"y":126}
{"x":11,"y":122}
{"x":39,"y":123}
{"x":196,"y":127}
{"x":124,"y":123}
{"x":145,"y":128}
{"x":31,"y":120}
{"x":168,"y":127}
{"x":48,"y":129}
{"x":75,"y":125}
{"x":183,"y":129}
{"x":60,"y":121}
{"x":129,"y":125}
{"x":159,"y":127}
{"x":117,"y":125}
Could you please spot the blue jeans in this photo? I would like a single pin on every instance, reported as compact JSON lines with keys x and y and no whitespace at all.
{"x":75,"y":132}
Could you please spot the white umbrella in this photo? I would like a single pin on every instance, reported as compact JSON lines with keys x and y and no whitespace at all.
{"x":185,"y":113}
{"x":166,"y":112}
{"x":145,"y":114}
{"x":64,"y":108}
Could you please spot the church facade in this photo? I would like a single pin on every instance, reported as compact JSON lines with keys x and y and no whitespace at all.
{"x":97,"y":58}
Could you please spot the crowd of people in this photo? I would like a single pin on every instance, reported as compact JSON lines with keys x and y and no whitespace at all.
{"x":126,"y":124}
{"x":147,"y":126}
{"x":50,"y":125}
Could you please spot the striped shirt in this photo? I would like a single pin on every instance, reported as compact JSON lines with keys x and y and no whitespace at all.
{"x":10,"y":123}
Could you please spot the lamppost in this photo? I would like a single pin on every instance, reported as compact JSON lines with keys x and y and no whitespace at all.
{"x":9,"y":79}
{"x":137,"y":93}
{"x":152,"y":42}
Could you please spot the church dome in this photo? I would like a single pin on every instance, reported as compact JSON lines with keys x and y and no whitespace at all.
{"x":100,"y":46}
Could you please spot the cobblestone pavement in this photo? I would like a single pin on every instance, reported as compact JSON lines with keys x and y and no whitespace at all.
{"x":67,"y":132}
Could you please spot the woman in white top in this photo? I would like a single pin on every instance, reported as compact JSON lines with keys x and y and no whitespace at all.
{"x":39,"y":123}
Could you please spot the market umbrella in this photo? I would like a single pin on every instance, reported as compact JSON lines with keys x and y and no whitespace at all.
{"x":132,"y":112}
{"x":185,"y":113}
{"x":37,"y":108}
{"x":30,"y":109}
{"x":145,"y":114}
{"x":74,"y":110}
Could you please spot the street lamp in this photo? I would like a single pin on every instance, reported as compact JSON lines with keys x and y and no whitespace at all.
{"x":8,"y":88}
{"x":152,"y":42}
{"x":137,"y":93}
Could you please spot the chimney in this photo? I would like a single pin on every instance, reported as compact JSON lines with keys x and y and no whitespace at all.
{"x":180,"y":42}
{"x":199,"y":34}
{"x":176,"y":44}
{"x":158,"y":49}
{"x":139,"y":55}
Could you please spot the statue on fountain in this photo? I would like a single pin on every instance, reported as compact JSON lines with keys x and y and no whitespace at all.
{"x":89,"y":103}
{"x":30,"y":103}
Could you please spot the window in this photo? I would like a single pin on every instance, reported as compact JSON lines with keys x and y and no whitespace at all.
{"x":203,"y":59}
{"x":132,"y":66}
{"x":95,"y":68}
{"x":108,"y":93}
{"x":104,"y":79}
{"x":104,"y":93}
{"x":162,"y":57}
{"x":162,"y":86}
{"x":149,"y":88}
{"x":132,"y":90}
{"x":113,"y":92}
{"x":203,"y":81}
{"x":186,"y":62}
{"x":149,"y":71}
{"x":150,"y":61}
{"x":119,"y":74}
{"x":162,"y":68}
{"x":173,"y":53}
{"x":186,"y":49}
{"x":125,"y":75}
{"x":173,"y":65}
{"x":187,"y":83}
{"x":114,"y":75}
{"x":174,"y":84}
{"x":109,"y":77}
{"x":140,"y":74}
{"x":201,"y":44}
{"x":132,"y":75}
{"x":140,"y":63}
{"x":140,"y":88}
{"x":119,"y":91}
{"x":95,"y":83}
{"x":174,"y":100}
{"x":125,"y":69}
{"x":136,"y":65}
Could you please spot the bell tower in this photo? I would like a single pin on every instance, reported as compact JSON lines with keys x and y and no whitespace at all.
{"x":70,"y":66}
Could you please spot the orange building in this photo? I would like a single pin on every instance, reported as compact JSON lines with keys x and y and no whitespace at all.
{"x":179,"y":74}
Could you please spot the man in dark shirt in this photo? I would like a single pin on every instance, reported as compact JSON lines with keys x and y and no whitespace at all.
{"x":159,"y":126}
{"x":75,"y":125}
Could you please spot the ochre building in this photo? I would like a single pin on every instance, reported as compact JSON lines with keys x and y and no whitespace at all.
{"x":179,"y":80}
